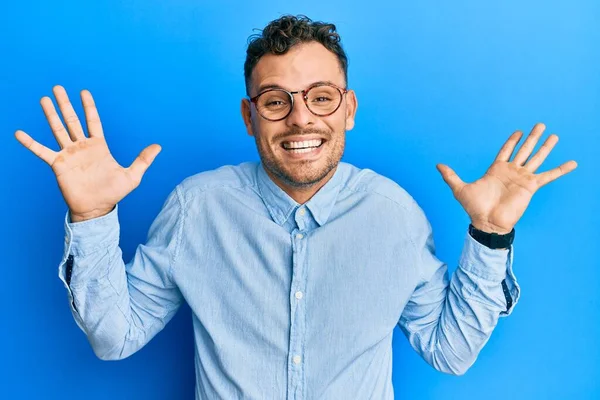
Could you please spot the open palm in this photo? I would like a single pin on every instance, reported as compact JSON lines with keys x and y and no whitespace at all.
{"x":497,"y":201}
{"x":90,"y":179}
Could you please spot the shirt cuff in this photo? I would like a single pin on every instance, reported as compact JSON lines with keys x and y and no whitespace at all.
{"x":85,"y":237}
{"x":489,"y":264}
{"x":493,"y":265}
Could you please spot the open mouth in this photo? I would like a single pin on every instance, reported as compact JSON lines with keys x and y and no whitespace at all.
{"x":305,"y":146}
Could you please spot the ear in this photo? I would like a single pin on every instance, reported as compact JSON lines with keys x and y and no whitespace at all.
{"x":246,"y":110}
{"x":351,"y":106}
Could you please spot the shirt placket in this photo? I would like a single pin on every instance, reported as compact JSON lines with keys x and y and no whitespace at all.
{"x":296,"y":362}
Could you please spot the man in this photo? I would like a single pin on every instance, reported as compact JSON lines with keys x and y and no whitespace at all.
{"x":298,"y":268}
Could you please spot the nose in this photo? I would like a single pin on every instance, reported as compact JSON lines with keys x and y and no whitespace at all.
{"x":300,"y":115}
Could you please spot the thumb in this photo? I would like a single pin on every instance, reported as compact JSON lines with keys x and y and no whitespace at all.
{"x":143,"y":161}
{"x":450,"y":177}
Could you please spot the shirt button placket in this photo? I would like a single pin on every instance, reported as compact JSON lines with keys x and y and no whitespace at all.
{"x":297,"y":329}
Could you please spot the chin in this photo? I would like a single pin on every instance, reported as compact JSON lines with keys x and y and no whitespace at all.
{"x":305,"y":178}
{"x":299,"y":173}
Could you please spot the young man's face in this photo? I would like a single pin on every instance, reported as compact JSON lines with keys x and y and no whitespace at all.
{"x":302,"y":66}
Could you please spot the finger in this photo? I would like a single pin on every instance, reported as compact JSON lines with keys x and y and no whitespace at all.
{"x":451,"y":178}
{"x":529,"y":144}
{"x":549,"y":176}
{"x":91,"y":115}
{"x":508,"y":148}
{"x":39,"y":150}
{"x":68,"y":113}
{"x":534,"y":162}
{"x":58,"y":129}
{"x":143,"y":161}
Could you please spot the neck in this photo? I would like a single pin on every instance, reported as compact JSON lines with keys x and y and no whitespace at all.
{"x":301,"y":194}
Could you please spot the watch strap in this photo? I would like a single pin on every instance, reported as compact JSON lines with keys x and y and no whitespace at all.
{"x":492,"y":240}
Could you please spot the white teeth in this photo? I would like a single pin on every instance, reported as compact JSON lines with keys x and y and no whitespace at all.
{"x":306,"y":145}
{"x":298,"y":151}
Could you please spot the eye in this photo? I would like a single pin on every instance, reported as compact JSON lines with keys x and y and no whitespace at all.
{"x":274,"y":103}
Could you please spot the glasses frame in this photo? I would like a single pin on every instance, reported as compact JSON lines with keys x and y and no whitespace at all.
{"x":304,"y":93}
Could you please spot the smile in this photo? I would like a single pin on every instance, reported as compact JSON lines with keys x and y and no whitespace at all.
{"x":302,"y":147}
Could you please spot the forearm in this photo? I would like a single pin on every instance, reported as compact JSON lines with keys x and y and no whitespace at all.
{"x":95,"y":278}
{"x":450,"y":326}
{"x":116,"y":320}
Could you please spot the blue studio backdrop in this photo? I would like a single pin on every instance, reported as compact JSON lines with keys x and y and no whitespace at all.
{"x":437,"y":82}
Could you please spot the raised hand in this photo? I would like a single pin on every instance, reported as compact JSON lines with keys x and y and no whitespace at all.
{"x":498,"y":200}
{"x":90,"y":179}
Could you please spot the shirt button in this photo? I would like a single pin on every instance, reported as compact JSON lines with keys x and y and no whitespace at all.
{"x":302,"y":211}
{"x":299,"y":295}
{"x":299,"y":236}
{"x":297,"y":359}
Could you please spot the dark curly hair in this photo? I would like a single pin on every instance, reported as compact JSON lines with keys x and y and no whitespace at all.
{"x":287,"y":31}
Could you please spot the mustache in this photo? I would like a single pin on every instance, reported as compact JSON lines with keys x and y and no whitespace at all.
{"x":300,"y":132}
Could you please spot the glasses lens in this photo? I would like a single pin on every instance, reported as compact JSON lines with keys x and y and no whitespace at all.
{"x":324,"y":99}
{"x":274,"y":104}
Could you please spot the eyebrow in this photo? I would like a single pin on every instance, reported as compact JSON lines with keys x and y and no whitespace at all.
{"x":263,"y":88}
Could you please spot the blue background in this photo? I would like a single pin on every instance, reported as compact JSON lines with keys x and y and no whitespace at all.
{"x":436,"y":82}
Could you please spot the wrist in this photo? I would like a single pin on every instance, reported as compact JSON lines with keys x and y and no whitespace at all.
{"x":80,"y":217}
{"x":490,"y":228}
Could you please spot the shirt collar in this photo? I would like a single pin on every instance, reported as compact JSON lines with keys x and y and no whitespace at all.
{"x":281,"y":205}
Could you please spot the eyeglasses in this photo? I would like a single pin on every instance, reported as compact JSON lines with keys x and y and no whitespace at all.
{"x":321,"y":99}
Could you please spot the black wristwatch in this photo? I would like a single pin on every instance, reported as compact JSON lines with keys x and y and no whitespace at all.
{"x":492,"y":240}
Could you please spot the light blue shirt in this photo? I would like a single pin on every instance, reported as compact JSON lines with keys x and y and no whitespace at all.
{"x":289,"y":301}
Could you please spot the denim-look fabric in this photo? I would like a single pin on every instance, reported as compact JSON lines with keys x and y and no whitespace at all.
{"x":289,"y":301}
